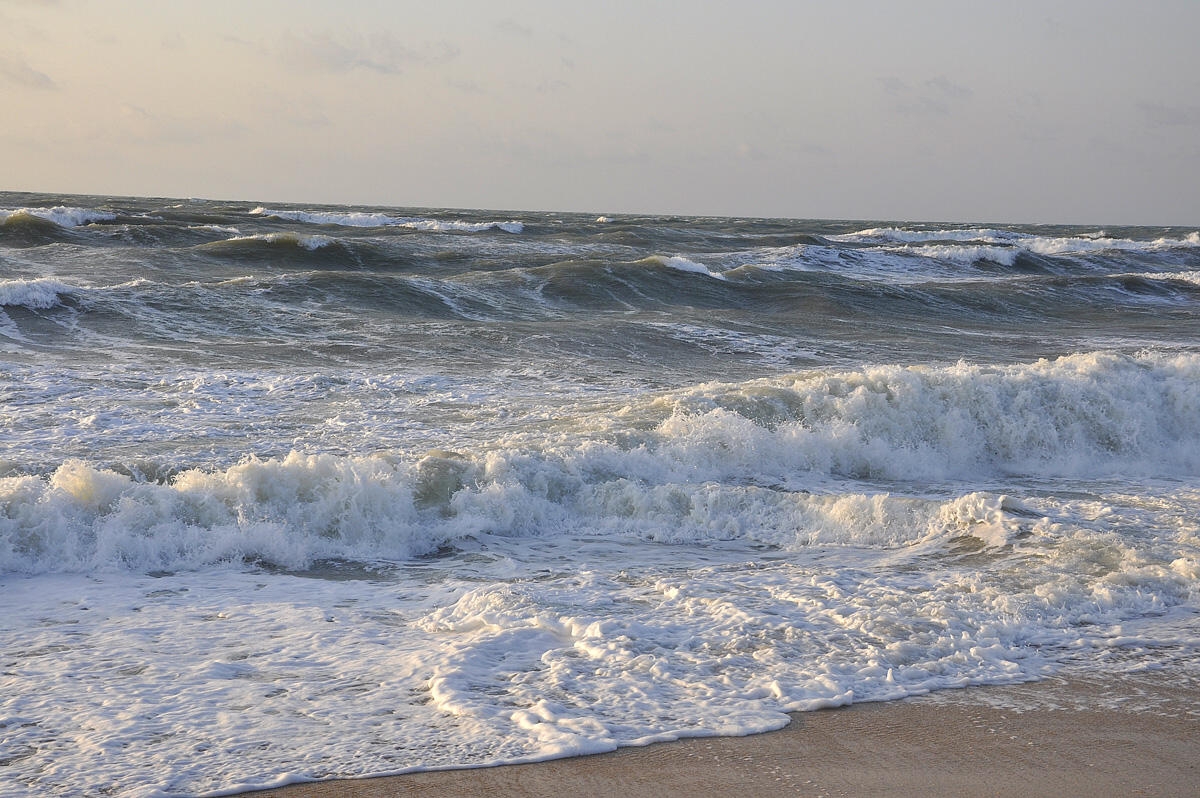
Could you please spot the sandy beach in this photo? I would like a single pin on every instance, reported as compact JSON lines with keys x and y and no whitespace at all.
{"x":1137,"y":736}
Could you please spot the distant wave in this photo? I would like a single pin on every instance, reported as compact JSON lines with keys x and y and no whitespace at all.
{"x":1042,"y":245}
{"x":350,"y":219}
{"x":683,"y":265}
{"x":286,"y":240}
{"x":60,"y":215}
{"x":966,"y":254}
{"x":355,"y":219}
{"x":901,"y":235}
{"x":899,"y":255}
{"x":1189,"y":277}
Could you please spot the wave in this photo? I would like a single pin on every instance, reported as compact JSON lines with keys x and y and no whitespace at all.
{"x":965,"y":254}
{"x":359,"y":219}
{"x":454,"y":226}
{"x":60,"y":215}
{"x":302,"y":508}
{"x":1042,"y":245}
{"x":1189,"y":278}
{"x":291,"y":248}
{"x":27,"y":230}
{"x":903,"y":257}
{"x":282,"y":240}
{"x":810,"y":458}
{"x":350,"y":219}
{"x":650,"y":282}
{"x":681,"y":264}
{"x":898,"y":265}
{"x":31,"y":227}
{"x":358,"y":292}
{"x":39,"y":294}
{"x":876,"y":235}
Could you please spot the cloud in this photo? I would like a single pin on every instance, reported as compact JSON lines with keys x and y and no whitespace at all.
{"x":382,"y":53}
{"x":467,"y":87}
{"x":552,"y":86}
{"x":152,"y":128}
{"x":16,"y":71}
{"x":510,"y":26}
{"x":749,"y":152}
{"x":1158,"y":115}
{"x":937,"y":96}
{"x":948,"y":89}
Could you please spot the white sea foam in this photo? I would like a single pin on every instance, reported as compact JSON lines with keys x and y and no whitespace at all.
{"x":63,"y":216}
{"x":684,"y":265}
{"x":901,"y":235}
{"x":697,"y":561}
{"x":903,"y":264}
{"x":1042,"y":245}
{"x":309,"y":242}
{"x":1192,"y":277}
{"x":526,"y":649}
{"x":964,"y":254}
{"x":718,"y":462}
{"x":1078,"y":245}
{"x":352,"y":219}
{"x":455,"y":225}
{"x":357,"y":219}
{"x":37,"y":294}
{"x":306,"y":508}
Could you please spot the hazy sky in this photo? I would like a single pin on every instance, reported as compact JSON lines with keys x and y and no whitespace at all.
{"x":1049,"y":111}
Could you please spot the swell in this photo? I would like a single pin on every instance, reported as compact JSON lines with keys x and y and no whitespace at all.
{"x":319,"y":297}
{"x":290,"y":249}
{"x":344,"y":218}
{"x":710,"y":236}
{"x":23,"y":229}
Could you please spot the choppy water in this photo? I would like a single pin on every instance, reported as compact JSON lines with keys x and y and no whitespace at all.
{"x":293,"y":492}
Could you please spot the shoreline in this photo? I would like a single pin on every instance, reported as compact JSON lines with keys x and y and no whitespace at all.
{"x":1123,"y":735}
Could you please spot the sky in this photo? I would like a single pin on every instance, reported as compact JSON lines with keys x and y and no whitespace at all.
{"x":1075,"y":112}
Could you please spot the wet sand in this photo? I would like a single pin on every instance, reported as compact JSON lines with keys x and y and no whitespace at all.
{"x":1139,"y":736}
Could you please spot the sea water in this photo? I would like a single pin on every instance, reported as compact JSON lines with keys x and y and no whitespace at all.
{"x":306,"y":492}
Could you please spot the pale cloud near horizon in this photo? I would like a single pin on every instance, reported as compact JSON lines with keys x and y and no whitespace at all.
{"x":937,"y":95}
{"x":1171,"y":115}
{"x":922,"y":110}
{"x":18,"y":72}
{"x":380,"y":52}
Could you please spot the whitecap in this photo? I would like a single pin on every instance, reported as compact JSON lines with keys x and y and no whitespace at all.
{"x":38,"y":294}
{"x":358,"y":219}
{"x":63,"y":216}
{"x":350,"y":219}
{"x":682,"y":264}
{"x":309,"y":242}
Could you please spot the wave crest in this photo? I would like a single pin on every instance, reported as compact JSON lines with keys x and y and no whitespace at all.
{"x":359,"y":219}
{"x":780,"y":462}
{"x":38,"y":294}
{"x":60,"y":215}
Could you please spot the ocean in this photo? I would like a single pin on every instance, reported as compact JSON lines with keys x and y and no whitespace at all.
{"x":295,"y":492}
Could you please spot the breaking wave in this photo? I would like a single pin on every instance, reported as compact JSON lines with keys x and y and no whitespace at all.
{"x":357,"y":219}
{"x":38,"y":294}
{"x":60,"y":215}
{"x":783,"y":462}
